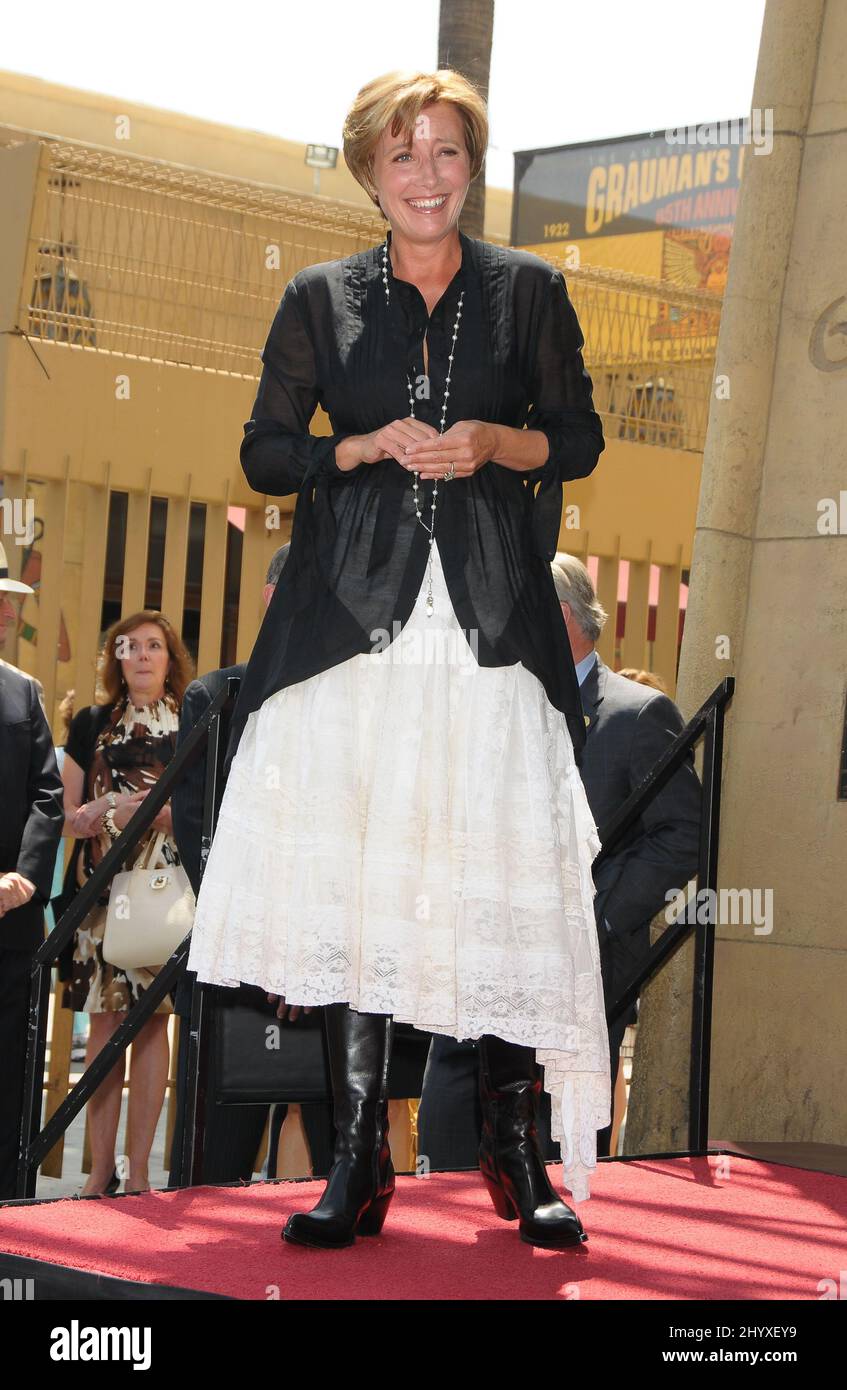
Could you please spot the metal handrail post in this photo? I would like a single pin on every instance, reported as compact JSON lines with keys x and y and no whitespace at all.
{"x":704,"y":938}
{"x":201,"y":1021}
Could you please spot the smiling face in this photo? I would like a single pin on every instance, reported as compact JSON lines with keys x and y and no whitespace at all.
{"x":144,"y":657}
{"x":422,"y":183}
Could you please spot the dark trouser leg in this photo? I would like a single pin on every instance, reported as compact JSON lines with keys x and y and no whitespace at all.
{"x":449,"y":1115}
{"x":15,"y":971}
{"x":279,"y":1114}
{"x":233,"y":1132}
{"x":620,"y":957}
{"x":449,"y":1119}
{"x":233,"y":1135}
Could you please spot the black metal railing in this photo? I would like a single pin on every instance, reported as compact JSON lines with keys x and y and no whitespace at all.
{"x":708,"y":722}
{"x":208,"y":737}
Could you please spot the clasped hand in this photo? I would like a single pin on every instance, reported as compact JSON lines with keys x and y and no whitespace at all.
{"x":418,"y":446}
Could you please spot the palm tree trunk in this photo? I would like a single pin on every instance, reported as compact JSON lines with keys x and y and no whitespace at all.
{"x":464,"y":44}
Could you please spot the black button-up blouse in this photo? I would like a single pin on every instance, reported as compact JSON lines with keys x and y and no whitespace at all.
{"x":358,"y":552}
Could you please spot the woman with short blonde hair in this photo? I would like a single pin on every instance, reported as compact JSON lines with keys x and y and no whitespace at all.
{"x":405,"y":836}
{"x":390,"y":100}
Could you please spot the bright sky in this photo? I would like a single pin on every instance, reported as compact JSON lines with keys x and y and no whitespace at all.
{"x":561,"y":70}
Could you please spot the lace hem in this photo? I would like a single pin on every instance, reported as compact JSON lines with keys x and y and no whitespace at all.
{"x":574,"y":1058}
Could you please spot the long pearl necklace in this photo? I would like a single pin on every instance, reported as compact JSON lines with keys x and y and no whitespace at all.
{"x":430,"y":604}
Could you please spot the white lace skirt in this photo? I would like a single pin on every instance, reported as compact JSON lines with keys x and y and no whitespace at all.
{"x":407,"y":832}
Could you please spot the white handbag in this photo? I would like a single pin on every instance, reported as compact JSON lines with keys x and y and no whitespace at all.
{"x":151,"y":910}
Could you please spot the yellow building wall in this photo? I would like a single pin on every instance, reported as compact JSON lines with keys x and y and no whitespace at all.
{"x":639,"y":253}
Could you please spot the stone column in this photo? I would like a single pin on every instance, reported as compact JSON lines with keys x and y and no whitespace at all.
{"x":768,"y":604}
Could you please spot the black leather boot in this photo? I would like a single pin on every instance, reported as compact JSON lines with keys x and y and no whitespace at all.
{"x":509,"y":1155}
{"x":361,"y":1181}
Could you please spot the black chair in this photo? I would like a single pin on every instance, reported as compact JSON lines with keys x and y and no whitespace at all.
{"x":260,"y":1059}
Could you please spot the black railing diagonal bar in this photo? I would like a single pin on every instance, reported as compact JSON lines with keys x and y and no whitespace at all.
{"x":709,"y":721}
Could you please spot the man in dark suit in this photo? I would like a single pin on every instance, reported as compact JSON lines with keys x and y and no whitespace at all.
{"x":233,"y":1133}
{"x":31,"y":820}
{"x":629,"y":725}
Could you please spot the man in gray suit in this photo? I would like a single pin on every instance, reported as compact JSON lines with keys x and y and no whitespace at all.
{"x":629,"y":726}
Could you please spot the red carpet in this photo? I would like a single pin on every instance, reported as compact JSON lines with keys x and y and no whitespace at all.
{"x":718,"y":1227}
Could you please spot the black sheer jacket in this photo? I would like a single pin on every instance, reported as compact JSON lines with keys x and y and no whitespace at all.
{"x":358,"y":553}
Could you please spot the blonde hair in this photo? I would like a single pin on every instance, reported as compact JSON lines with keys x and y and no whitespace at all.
{"x":395,"y":101}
